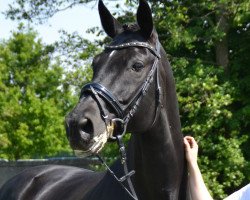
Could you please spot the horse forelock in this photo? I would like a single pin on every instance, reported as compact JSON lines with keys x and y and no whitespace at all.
{"x":133,"y":27}
{"x":132,"y":32}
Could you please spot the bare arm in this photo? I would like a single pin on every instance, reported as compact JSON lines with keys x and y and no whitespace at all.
{"x":198,"y":188}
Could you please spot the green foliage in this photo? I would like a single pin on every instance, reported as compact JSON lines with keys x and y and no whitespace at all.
{"x":208,"y":45}
{"x":214,"y":102}
{"x":205,"y":112}
{"x":32,"y":100}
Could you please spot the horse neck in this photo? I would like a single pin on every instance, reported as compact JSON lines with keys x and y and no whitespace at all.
{"x":158,"y":153}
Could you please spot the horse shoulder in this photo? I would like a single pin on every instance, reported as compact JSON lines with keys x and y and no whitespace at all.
{"x":50,"y":182}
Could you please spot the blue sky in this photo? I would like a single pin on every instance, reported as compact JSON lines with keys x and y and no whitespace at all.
{"x":79,"y":19}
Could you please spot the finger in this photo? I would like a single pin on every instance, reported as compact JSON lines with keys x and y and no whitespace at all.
{"x":192,"y":141}
{"x":186,"y":143}
{"x":187,"y":137}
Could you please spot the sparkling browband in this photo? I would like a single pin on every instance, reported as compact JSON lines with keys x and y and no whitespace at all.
{"x":134,"y":44}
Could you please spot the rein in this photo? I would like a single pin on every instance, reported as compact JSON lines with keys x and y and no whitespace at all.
{"x":124,"y":115}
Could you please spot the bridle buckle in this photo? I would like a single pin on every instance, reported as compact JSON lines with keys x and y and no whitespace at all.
{"x":119,"y":123}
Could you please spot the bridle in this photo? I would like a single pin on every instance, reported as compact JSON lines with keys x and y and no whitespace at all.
{"x":123,"y":115}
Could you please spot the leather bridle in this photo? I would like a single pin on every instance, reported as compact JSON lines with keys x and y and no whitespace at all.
{"x":123,"y":115}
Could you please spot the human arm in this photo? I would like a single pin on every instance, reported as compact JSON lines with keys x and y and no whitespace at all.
{"x":198,"y":188}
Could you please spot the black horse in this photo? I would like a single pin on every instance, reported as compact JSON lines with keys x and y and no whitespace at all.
{"x":132,"y":89}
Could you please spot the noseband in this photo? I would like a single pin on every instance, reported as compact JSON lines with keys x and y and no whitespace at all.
{"x":125,"y":114}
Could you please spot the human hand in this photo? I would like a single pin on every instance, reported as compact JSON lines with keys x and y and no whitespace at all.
{"x":191,"y":148}
{"x":198,"y":189}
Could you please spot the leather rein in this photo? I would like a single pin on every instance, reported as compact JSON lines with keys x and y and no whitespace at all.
{"x":123,"y":116}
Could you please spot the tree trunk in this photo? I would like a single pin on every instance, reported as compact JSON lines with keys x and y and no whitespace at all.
{"x":221,"y":49}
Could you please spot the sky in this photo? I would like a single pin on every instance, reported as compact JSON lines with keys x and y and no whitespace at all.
{"x":79,"y":19}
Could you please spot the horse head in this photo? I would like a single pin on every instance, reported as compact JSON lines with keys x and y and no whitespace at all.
{"x":125,"y":84}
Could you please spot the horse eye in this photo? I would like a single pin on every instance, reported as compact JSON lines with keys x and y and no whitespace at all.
{"x":137,"y":67}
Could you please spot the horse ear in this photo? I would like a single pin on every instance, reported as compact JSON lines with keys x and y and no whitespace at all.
{"x":110,"y":25}
{"x":144,"y":19}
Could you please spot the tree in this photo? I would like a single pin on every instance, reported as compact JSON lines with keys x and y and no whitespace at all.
{"x":41,"y":10}
{"x":208,"y":45}
{"x":200,"y":39}
{"x":33,"y":99}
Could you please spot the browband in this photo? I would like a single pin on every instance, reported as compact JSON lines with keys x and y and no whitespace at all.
{"x":134,"y":44}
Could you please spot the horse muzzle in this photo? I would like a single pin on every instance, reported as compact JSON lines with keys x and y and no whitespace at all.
{"x":83,"y":138}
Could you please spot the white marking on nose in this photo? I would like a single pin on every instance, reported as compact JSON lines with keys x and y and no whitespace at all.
{"x":112,"y":53}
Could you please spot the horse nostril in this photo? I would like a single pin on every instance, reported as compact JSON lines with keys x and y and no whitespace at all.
{"x":85,"y":129}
